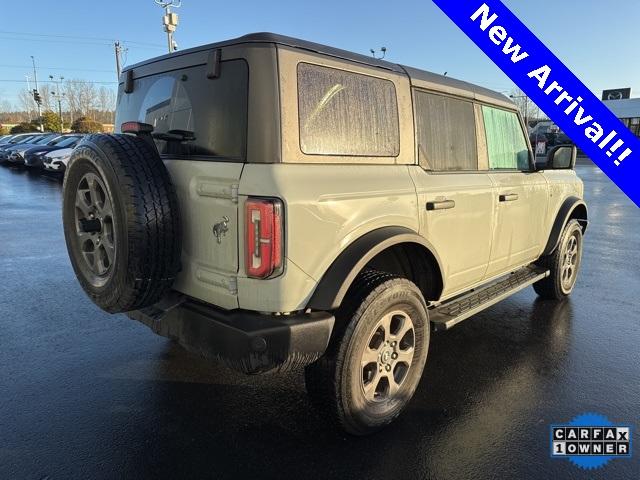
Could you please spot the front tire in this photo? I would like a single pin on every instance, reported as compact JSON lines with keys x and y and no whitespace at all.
{"x":563,"y":264}
{"x":375,"y":360}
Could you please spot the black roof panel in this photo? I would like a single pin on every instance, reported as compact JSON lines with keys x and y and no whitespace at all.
{"x":413,"y":73}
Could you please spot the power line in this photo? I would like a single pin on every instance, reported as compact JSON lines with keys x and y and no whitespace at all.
{"x":75,"y":37}
{"x":58,"y":68}
{"x":72,"y":42}
{"x":48,"y":81}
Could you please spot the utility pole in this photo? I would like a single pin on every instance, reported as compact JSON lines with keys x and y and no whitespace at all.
{"x":59,"y":96}
{"x":170,"y":21}
{"x":118,"y":52}
{"x":30,"y":93}
{"x":36,"y":94}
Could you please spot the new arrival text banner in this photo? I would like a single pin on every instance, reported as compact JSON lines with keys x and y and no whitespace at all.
{"x":552,"y":86}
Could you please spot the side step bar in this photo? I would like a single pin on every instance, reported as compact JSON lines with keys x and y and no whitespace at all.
{"x":451,"y":312}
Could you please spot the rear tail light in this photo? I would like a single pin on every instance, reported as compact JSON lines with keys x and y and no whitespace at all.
{"x":136,"y":127}
{"x":263,"y":217}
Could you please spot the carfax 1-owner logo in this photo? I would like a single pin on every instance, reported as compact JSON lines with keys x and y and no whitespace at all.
{"x":590,"y":441}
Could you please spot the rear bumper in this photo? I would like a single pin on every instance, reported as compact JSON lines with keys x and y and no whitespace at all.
{"x":250,"y":342}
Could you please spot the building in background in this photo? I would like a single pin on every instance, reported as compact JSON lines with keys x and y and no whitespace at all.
{"x":625,"y":108}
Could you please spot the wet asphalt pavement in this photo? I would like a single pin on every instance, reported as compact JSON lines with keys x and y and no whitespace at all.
{"x":84,"y":394}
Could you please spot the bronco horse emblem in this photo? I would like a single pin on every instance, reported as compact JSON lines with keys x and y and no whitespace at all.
{"x":220,"y":229}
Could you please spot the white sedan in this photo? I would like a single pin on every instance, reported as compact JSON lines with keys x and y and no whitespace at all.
{"x":57,"y":160}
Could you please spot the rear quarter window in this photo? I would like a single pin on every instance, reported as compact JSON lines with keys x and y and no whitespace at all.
{"x":213,"y":110}
{"x":346,"y":114}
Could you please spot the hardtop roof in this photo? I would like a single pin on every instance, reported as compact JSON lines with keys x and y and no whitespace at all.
{"x":418,"y":78}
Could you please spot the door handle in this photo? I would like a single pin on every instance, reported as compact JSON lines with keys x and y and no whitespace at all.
{"x":508,"y":197}
{"x":441,"y":205}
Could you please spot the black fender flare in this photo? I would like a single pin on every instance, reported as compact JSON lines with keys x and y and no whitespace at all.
{"x":565,"y":212}
{"x":335,"y":282}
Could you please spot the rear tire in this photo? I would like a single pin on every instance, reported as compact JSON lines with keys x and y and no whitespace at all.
{"x":563,"y":264}
{"x":377,"y":354}
{"x":121,"y":222}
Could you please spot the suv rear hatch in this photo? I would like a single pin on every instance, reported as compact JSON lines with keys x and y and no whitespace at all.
{"x":200,"y":130}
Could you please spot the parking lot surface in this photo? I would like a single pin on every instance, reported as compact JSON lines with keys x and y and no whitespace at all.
{"x":84,"y":394}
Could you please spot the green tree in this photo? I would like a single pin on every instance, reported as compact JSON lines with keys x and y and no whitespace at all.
{"x":24,"y":127}
{"x":51,"y":122}
{"x":86,"y":125}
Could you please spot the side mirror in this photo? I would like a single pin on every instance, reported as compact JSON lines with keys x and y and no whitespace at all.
{"x":562,"y":157}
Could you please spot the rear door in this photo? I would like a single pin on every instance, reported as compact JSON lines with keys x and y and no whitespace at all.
{"x":200,"y":129}
{"x":455,"y":199}
{"x":521,"y":193}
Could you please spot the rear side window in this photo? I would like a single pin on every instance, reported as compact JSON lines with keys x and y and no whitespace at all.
{"x":214,"y":111}
{"x":346,"y":113}
{"x":506,"y":144}
{"x":446,"y":131}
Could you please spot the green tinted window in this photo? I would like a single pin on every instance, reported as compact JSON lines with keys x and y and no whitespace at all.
{"x":506,"y":143}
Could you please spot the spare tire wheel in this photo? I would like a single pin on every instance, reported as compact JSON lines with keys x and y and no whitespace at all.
{"x":121,"y":222}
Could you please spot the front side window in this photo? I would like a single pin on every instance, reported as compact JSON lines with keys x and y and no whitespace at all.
{"x":506,"y":144}
{"x":192,"y":115}
{"x":446,"y":131}
{"x":346,"y":114}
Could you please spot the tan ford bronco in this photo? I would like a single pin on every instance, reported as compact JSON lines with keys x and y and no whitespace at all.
{"x":275,"y":203}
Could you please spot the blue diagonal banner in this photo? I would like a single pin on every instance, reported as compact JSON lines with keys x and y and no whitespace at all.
{"x":552,"y":86}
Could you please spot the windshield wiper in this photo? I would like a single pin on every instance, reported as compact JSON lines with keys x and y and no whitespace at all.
{"x":175,"y":136}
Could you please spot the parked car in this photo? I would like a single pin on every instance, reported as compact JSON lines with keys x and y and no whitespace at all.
{"x":340,"y":209}
{"x":15,"y":154}
{"x":34,"y":156}
{"x":16,"y":140}
{"x":549,"y":133}
{"x":57,"y":160}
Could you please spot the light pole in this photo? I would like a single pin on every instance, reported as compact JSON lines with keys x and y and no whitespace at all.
{"x":58,"y":96}
{"x":170,"y":21}
{"x":36,"y":94}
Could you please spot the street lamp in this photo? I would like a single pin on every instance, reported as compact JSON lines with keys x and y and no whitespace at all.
{"x":170,"y":21}
{"x":58,"y":96}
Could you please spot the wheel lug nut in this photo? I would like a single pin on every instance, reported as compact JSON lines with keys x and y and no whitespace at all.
{"x":393,"y":344}
{"x":394,"y":355}
{"x":388,"y":367}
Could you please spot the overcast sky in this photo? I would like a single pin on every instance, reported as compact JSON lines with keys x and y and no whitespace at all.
{"x":597,"y":40}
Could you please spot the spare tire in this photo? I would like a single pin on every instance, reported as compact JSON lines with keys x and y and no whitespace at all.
{"x":121,"y":222}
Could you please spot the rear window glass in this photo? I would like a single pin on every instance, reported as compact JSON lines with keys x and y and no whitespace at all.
{"x":185,"y":103}
{"x":346,"y":113}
